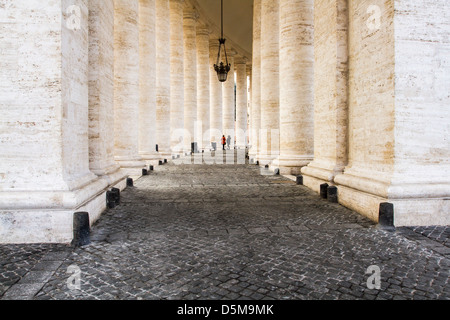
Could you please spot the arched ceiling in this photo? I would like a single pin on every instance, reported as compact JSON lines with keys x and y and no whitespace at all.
{"x":238,"y":21}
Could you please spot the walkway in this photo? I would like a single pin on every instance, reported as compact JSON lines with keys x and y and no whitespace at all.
{"x":231,"y":232}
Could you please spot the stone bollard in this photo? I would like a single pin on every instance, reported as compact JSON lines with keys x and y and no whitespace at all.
{"x":332,"y":194}
{"x":81,"y":229}
{"x":110,"y":200}
{"x":116,"y":195}
{"x":386,"y":216}
{"x":130,"y":182}
{"x":324,"y":190}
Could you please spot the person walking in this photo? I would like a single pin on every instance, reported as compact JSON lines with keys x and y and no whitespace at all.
{"x":224,"y":142}
{"x":229,"y":142}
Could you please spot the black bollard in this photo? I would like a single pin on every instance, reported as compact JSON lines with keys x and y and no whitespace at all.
{"x":130,"y":182}
{"x":152,"y":168}
{"x":386,"y":216}
{"x":324,"y":190}
{"x":110,"y":200}
{"x":116,"y":195}
{"x":144,"y":172}
{"x":81,"y":229}
{"x":160,"y":162}
{"x":332,"y":194}
{"x":300,"y":180}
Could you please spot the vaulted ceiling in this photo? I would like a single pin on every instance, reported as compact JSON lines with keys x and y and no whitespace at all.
{"x":238,"y":21}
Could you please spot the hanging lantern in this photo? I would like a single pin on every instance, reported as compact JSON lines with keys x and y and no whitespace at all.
{"x":222,"y":68}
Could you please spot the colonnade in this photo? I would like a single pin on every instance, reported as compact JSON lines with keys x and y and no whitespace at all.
{"x":353,"y":106}
{"x":98,"y":97}
{"x":339,"y":97}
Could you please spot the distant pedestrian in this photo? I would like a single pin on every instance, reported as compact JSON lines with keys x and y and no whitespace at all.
{"x":229,"y":142}
{"x":224,"y":142}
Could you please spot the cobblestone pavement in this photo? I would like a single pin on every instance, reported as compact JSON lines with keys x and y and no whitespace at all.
{"x":230,"y":232}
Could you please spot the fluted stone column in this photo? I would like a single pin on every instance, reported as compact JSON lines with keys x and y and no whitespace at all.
{"x":296,"y":85}
{"x":177,"y":82}
{"x":250,"y":106}
{"x":203,"y":87}
{"x":126,"y":86}
{"x":331,"y":94}
{"x":229,"y":102}
{"x":44,"y":96}
{"x":163,"y":78}
{"x":101,"y":92}
{"x":190,"y":76}
{"x":270,"y":123}
{"x":241,"y":102}
{"x":256,"y":79}
{"x":147,"y":81}
{"x":216,"y":128}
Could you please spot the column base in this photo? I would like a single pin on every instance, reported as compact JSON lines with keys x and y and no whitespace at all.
{"x":414,"y":204}
{"x":47,"y":217}
{"x":292,"y":165}
{"x":132,"y":167}
{"x":151,"y":158}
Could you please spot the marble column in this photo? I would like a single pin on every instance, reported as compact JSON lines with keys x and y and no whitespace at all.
{"x":177,"y":80}
{"x":203,"y":87}
{"x":250,"y":106}
{"x":330,"y":94}
{"x":45,"y":172}
{"x":216,"y":126}
{"x":126,"y":86}
{"x":190,"y":76}
{"x":398,"y":111}
{"x":229,"y":102}
{"x":101,"y":92}
{"x":270,"y":103}
{"x":163,"y":78}
{"x":256,"y":79}
{"x":147,"y":81}
{"x":296,"y":85}
{"x":241,"y":102}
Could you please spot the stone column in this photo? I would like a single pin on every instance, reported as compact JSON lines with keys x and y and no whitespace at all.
{"x":147,"y":81}
{"x":216,"y":127}
{"x":229,"y":102}
{"x":256,"y":79}
{"x":250,"y":106}
{"x":163,"y":78}
{"x":177,"y":80}
{"x":270,"y":97}
{"x":45,"y":172}
{"x":398,"y":104}
{"x":101,"y":92}
{"x":330,"y":94}
{"x":296,"y":85}
{"x":241,"y":102}
{"x":126,"y":86}
{"x":203,"y":87}
{"x":190,"y":75}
